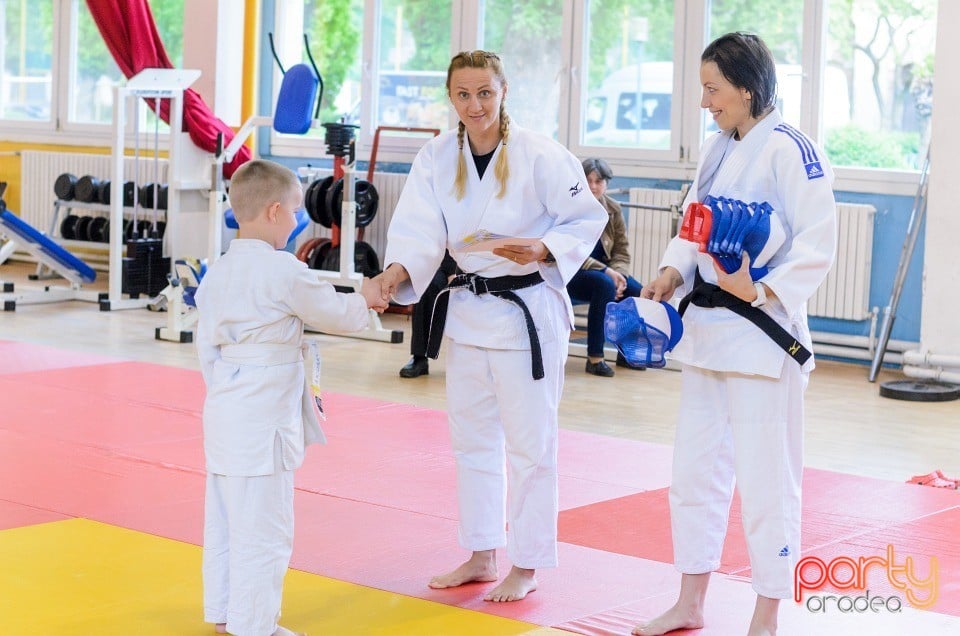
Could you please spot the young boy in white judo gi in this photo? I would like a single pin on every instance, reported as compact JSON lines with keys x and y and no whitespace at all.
{"x":259,"y":416}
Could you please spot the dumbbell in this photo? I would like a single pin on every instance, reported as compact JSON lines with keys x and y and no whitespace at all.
{"x":95,"y":229}
{"x":146,"y":196}
{"x":63,"y":187}
{"x":68,"y":226}
{"x":86,"y":189}
{"x":80,"y":229}
{"x":103,"y":191}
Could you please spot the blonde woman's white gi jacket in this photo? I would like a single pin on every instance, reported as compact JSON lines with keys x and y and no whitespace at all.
{"x":547,"y":197}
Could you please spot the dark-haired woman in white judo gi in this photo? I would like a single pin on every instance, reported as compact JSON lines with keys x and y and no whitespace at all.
{"x":505,"y":358}
{"x":741,"y":413}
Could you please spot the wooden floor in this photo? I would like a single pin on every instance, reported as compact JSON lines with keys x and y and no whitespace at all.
{"x":849,"y":427}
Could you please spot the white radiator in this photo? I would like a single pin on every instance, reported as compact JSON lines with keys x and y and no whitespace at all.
{"x":650,"y":229}
{"x":39,"y":171}
{"x":388,"y":185}
{"x":845,"y":293}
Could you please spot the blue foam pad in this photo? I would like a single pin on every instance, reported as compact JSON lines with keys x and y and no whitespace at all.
{"x":302,"y":221}
{"x":295,"y":102}
{"x":49,"y":248}
{"x":230,"y":219}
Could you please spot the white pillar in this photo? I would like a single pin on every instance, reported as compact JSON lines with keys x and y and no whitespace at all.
{"x":213,"y":42}
{"x":941,"y":267}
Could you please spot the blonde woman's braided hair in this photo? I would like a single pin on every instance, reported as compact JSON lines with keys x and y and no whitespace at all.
{"x":501,"y":170}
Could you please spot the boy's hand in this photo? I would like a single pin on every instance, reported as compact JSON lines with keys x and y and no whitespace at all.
{"x":371,"y":290}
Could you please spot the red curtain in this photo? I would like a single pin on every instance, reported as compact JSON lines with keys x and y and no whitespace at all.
{"x":131,"y":35}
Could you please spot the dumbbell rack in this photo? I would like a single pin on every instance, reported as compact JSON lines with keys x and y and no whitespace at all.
{"x":341,"y":145}
{"x":54,"y":231}
{"x":68,"y":205}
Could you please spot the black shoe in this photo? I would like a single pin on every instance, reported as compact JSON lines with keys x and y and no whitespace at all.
{"x":415,"y":368}
{"x":599,"y":368}
{"x":622,"y":362}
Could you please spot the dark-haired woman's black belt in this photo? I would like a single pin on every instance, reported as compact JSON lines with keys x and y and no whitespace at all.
{"x":502,"y":287}
{"x":707,"y":295}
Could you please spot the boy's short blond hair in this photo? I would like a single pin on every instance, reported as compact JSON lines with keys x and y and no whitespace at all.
{"x":258,"y":184}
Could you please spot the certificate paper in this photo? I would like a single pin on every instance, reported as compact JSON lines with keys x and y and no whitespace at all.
{"x":486,"y":241}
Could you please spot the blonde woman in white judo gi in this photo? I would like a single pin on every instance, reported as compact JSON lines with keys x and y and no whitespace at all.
{"x":508,"y":318}
{"x":741,"y":413}
{"x":258,"y":415}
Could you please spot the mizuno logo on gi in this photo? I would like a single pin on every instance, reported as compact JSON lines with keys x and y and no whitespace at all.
{"x":576,"y":189}
{"x":814,"y":170}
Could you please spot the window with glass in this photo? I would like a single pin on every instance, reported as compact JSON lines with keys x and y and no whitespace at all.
{"x":528,"y":37}
{"x":878,"y":82}
{"x":780,"y":26}
{"x":413,"y":54}
{"x":629,"y":74}
{"x":94,"y":72}
{"x":334,"y":31}
{"x":26,"y":55}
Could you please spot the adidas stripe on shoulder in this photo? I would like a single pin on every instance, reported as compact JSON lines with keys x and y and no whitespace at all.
{"x":808,"y":153}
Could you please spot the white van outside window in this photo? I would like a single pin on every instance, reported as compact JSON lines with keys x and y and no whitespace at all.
{"x":632,"y":108}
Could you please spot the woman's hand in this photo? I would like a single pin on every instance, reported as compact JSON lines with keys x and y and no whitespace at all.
{"x":619,"y":280}
{"x":523,"y":254}
{"x":390,"y":279}
{"x":663,"y":286}
{"x":739,"y":282}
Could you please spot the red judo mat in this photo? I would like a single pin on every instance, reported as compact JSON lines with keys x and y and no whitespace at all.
{"x":120,"y":442}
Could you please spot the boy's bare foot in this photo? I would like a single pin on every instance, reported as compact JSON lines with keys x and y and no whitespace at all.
{"x":220,"y":628}
{"x":516,"y":586}
{"x":481,"y":568}
{"x":283,"y":631}
{"x":673,"y":619}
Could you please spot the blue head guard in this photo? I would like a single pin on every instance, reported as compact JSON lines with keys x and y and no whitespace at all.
{"x":643,"y":330}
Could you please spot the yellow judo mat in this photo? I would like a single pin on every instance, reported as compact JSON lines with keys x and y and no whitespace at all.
{"x":81,"y":577}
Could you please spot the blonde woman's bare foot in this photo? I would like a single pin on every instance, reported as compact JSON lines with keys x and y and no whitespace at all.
{"x":673,"y":619}
{"x":220,"y":628}
{"x":516,"y":586}
{"x":481,"y":568}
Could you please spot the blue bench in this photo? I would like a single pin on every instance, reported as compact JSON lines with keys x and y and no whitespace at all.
{"x":46,"y":250}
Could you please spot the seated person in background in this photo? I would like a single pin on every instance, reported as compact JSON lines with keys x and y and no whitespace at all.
{"x":422,"y":311}
{"x":604,"y":277}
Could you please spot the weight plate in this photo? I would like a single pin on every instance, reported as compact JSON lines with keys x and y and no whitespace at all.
{"x":920,"y":391}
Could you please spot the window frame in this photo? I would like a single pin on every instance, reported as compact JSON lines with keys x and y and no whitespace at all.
{"x":677,"y":163}
{"x":59,"y":130}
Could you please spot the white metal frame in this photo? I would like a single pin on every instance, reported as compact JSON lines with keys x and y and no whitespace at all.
{"x":151,"y":84}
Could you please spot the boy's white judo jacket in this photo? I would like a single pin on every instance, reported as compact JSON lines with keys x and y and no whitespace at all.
{"x":253,"y":303}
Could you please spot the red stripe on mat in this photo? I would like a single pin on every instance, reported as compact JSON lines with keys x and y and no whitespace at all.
{"x":835,"y":507}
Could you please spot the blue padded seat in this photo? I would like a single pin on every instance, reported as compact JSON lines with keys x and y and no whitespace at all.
{"x":295,"y":102}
